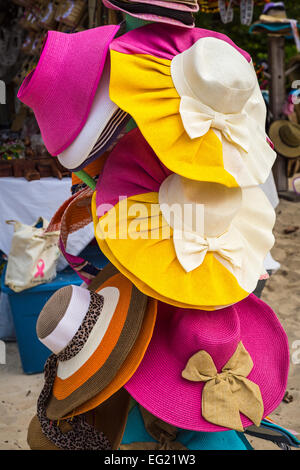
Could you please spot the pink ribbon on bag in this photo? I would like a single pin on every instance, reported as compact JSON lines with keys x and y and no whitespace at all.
{"x":40,"y":268}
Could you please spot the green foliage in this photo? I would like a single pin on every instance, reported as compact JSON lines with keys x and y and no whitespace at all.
{"x":255,"y":44}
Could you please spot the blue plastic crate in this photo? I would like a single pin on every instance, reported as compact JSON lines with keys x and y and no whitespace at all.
{"x":27,"y":305}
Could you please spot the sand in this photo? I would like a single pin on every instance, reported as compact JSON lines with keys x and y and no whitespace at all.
{"x":19,"y":392}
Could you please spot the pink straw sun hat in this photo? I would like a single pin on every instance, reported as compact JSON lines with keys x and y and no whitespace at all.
{"x":61,"y":89}
{"x":208,"y":371}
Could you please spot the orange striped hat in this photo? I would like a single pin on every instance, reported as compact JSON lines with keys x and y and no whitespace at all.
{"x":99,"y":336}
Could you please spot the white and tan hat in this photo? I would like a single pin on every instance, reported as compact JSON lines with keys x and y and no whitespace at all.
{"x":105,"y":121}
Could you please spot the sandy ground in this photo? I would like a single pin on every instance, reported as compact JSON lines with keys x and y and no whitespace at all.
{"x":19,"y":392}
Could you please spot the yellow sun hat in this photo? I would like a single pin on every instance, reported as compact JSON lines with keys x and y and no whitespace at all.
{"x":165,"y":253}
{"x":196,"y":99}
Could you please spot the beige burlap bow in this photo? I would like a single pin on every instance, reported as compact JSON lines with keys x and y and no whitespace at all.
{"x":163,"y":433}
{"x":226,"y":394}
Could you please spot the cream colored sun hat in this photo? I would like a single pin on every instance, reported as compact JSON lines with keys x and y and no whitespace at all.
{"x":209,"y":217}
{"x":219,"y":91}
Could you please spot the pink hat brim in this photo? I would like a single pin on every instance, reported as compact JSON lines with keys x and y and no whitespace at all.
{"x":158,"y":386}
{"x":142,"y":173}
{"x":61,"y":89}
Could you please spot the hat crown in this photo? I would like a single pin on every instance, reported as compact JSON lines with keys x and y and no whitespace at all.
{"x":215,"y":73}
{"x":277,"y":13}
{"x":62,"y":316}
{"x":218,"y":333}
{"x":188,"y":199}
{"x":290,"y":135}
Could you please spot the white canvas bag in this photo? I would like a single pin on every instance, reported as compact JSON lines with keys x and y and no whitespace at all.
{"x":33,"y":255}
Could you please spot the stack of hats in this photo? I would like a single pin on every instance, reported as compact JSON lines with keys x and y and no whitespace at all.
{"x":175,"y":12}
{"x":171,"y":321}
{"x":274,"y":12}
{"x":274,"y":20}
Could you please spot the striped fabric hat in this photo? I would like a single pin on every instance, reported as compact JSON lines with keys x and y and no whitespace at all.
{"x":104,"y":123}
{"x":92,"y":333}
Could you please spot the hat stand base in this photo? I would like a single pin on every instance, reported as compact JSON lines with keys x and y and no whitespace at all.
{"x":289,"y":196}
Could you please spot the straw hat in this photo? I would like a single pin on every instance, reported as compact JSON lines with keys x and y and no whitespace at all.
{"x":188,"y":243}
{"x":149,"y":11}
{"x":196,"y":99}
{"x":274,"y":12}
{"x":229,"y":372}
{"x":92,"y":333}
{"x":62,"y":88}
{"x":286,"y":138}
{"x":109,"y":418}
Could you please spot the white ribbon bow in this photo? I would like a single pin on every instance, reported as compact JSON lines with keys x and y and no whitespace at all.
{"x":191,"y":248}
{"x":197,"y":119}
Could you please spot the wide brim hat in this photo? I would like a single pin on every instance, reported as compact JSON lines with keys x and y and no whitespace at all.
{"x":93,"y":332}
{"x":133,"y":232}
{"x":104,"y":123}
{"x":151,"y":79}
{"x":286,"y":138}
{"x":273,"y":19}
{"x":242,"y":345}
{"x":156,"y":13}
{"x":61,"y":89}
{"x":276,"y":29}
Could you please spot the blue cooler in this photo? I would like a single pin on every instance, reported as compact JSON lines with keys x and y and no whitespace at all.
{"x":27,"y":305}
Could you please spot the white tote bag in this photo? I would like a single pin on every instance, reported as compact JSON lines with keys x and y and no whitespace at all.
{"x":33,"y":255}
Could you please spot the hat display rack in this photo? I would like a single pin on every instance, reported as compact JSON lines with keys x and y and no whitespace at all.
{"x":167,"y":347}
{"x":275,"y":24}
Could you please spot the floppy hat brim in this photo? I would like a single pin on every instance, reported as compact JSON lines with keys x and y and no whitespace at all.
{"x":157,"y":384}
{"x":52,"y":120}
{"x":99,"y":369}
{"x":280,"y":146}
{"x":273,"y":19}
{"x":36,"y":439}
{"x":150,"y":260}
{"x":151,"y":98}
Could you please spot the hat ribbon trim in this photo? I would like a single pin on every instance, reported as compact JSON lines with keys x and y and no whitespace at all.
{"x":192,"y":248}
{"x":226,"y":394}
{"x":198,"y":118}
{"x":76,"y":434}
